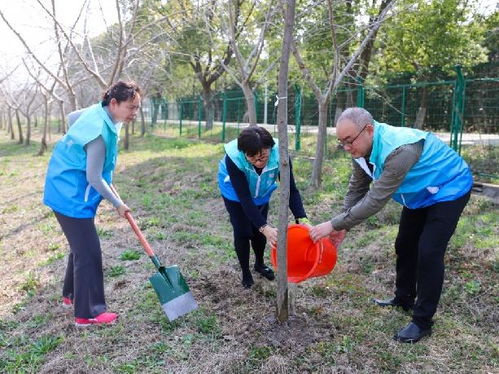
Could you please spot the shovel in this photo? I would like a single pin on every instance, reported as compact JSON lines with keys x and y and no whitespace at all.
{"x":173,"y":292}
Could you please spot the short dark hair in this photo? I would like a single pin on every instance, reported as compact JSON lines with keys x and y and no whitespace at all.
{"x":253,"y":139}
{"x":121,"y":91}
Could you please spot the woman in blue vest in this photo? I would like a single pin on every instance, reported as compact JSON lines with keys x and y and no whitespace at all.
{"x":79,"y":176}
{"x":433,"y":184}
{"x":247,"y":176}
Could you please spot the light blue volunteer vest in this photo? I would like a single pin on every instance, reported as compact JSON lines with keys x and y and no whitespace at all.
{"x":439,"y":175}
{"x":260,"y":186}
{"x":67,"y":190}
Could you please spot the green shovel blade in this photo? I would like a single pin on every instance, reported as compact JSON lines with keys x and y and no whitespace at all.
{"x":173,"y":292}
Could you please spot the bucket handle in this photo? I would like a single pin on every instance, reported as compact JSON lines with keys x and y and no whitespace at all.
{"x":321,"y":252}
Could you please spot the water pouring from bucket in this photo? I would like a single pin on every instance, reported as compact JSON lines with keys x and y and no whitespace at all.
{"x":306,"y":259}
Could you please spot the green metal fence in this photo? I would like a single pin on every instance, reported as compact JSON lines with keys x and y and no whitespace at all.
{"x":453,"y":108}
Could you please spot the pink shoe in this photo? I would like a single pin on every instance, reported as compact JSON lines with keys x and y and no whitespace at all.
{"x":101,"y":319}
{"x":67,"y":302}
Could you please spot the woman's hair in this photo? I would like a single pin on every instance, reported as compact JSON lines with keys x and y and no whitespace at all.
{"x":253,"y":139}
{"x":121,"y":91}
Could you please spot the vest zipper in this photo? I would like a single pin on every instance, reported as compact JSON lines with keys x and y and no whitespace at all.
{"x":257,"y":189}
{"x":87,"y":192}
{"x":403,"y":200}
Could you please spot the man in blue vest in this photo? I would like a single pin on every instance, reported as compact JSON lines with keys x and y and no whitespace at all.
{"x":433,"y":184}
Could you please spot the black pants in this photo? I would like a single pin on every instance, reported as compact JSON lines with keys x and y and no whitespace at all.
{"x":245,"y":232}
{"x":420,"y":247}
{"x":84,"y":280}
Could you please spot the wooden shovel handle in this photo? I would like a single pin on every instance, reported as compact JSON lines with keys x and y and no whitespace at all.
{"x":135,"y":227}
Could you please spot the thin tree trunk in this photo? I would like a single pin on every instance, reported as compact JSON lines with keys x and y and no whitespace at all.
{"x":126,"y":142}
{"x":19,"y":128}
{"x":28,"y":131}
{"x":11,"y":127}
{"x":321,"y":141}
{"x":142,"y":123}
{"x":209,"y":108}
{"x":62,"y":127}
{"x":423,"y":107}
{"x":284,"y":169}
{"x":250,"y":103}
{"x":43,"y":143}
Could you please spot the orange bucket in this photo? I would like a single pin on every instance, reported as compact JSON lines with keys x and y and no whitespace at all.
{"x":306,"y":259}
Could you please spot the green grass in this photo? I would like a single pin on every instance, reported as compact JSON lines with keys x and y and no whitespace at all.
{"x":25,"y":356}
{"x":30,"y":284}
{"x":130,"y":255}
{"x":116,"y":271}
{"x":170,"y":185}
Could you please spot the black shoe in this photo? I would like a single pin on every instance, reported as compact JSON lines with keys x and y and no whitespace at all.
{"x":411,"y":333}
{"x":265,"y":271}
{"x":393,"y":302}
{"x":247,"y":281}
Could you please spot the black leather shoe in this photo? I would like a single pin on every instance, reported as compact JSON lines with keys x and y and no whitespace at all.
{"x":247,"y":281}
{"x":411,"y":333}
{"x":393,"y":302}
{"x":265,"y":271}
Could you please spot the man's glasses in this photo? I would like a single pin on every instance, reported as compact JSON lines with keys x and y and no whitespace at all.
{"x":345,"y":143}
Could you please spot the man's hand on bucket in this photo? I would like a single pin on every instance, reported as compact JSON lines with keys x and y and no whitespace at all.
{"x":337,"y":237}
{"x":321,"y":230}
{"x":326,"y":229}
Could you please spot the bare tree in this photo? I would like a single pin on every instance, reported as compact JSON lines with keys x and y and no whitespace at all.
{"x":46,"y":116}
{"x":27,"y":107}
{"x":42,"y":64}
{"x":13,"y":106}
{"x":194,"y":34}
{"x":9,"y":122}
{"x":77,"y":59}
{"x":49,"y":95}
{"x":246,"y":65}
{"x":338,"y":71}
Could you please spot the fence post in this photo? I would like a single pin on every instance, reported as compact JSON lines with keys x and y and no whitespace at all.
{"x":360,"y":93}
{"x":297,"y":117}
{"x":265,"y":104}
{"x":456,"y":130}
{"x":200,"y":105}
{"x":164,"y":113}
{"x":255,"y":99}
{"x":224,"y":115}
{"x":404,"y":93}
{"x":181,"y":115}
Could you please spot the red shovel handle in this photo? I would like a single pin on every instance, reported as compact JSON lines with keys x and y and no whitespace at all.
{"x":142,"y":239}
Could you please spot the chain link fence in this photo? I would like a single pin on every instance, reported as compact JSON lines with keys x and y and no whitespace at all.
{"x":463,"y":112}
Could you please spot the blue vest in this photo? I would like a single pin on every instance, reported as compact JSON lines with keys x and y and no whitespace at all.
{"x":67,"y":190}
{"x":439,"y":175}
{"x":260,"y":186}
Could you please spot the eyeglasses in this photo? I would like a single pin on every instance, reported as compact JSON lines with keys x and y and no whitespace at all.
{"x":262,"y":157}
{"x":345,"y":143}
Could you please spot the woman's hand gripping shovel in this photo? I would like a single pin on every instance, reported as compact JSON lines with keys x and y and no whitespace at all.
{"x":173,"y":292}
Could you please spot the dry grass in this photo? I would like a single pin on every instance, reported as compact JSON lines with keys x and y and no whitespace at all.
{"x":170,"y":185}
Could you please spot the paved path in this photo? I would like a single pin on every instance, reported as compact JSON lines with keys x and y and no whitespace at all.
{"x":467,"y":139}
